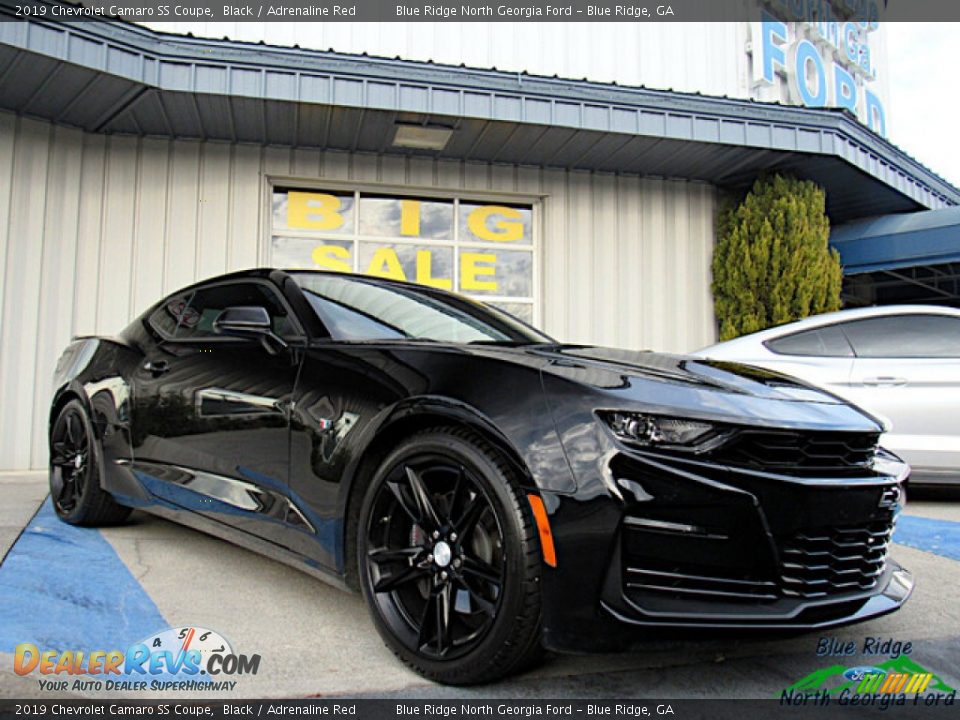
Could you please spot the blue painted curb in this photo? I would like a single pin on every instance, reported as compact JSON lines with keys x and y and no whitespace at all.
{"x":941,"y":537}
{"x":65,"y":588}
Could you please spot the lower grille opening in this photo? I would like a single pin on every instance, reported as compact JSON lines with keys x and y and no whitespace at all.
{"x":699,"y":586}
{"x":814,"y":563}
{"x":832,"y":561}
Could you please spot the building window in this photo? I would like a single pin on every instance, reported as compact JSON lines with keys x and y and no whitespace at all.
{"x":481,"y":249}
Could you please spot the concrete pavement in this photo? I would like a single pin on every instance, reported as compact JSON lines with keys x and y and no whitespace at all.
{"x":22,"y":494}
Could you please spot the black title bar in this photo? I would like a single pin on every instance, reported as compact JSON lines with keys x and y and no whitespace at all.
{"x":816,"y":705}
{"x":866,"y":11}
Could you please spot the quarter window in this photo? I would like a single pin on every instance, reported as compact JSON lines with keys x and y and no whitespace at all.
{"x":173,"y":312}
{"x":820,"y":342}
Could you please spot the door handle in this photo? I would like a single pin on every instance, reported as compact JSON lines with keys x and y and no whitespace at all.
{"x":885,"y":381}
{"x":156,"y":367}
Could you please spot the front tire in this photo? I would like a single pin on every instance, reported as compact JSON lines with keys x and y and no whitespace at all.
{"x":75,"y":472}
{"x":449,"y":560}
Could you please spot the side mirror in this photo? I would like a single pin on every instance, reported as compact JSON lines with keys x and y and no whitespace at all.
{"x":248,"y":322}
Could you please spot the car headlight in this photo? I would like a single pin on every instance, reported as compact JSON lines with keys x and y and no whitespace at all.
{"x":657,"y":431}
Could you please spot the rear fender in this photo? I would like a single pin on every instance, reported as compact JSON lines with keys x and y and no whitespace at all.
{"x":91,"y":372}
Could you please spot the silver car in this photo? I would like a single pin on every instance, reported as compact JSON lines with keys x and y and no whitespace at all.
{"x":899,"y":362}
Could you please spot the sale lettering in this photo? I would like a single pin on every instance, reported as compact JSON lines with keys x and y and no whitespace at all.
{"x":477,"y":270}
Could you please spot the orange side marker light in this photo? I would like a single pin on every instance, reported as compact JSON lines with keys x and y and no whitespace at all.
{"x":543,"y":527}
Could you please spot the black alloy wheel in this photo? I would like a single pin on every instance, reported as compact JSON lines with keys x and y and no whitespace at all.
{"x":70,"y":460}
{"x":448,"y":557}
{"x":437,"y":552}
{"x":74,"y":472}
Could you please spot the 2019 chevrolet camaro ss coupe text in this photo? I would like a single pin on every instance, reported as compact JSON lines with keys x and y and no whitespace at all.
{"x":489,"y":490}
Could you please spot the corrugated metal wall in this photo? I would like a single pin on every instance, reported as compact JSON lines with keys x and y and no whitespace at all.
{"x":95,"y":228}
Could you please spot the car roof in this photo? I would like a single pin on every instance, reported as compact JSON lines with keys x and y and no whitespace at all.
{"x":264,"y":273}
{"x":832,"y":318}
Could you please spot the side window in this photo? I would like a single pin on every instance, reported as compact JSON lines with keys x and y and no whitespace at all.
{"x":820,"y":342}
{"x":190,"y":316}
{"x":905,"y":336}
{"x":173,"y":313}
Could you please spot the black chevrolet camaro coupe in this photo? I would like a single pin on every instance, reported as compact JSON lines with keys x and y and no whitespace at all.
{"x":489,"y":490}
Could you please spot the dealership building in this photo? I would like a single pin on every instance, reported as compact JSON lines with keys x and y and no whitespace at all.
{"x":135,"y":160}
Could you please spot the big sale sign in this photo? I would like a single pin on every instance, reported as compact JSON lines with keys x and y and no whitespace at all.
{"x":478,"y":248}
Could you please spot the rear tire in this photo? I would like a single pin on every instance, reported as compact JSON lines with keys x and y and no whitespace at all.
{"x":449,"y":559}
{"x":75,"y":458}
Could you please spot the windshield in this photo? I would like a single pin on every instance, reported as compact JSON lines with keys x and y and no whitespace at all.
{"x":355,"y":308}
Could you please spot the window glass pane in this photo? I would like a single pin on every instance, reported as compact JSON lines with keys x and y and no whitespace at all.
{"x":521,"y":311}
{"x":492,"y":271}
{"x":297,"y":253}
{"x":431,"y":266}
{"x":397,"y":217}
{"x":326,"y":212}
{"x":346,"y":322}
{"x":207,"y":304}
{"x":496,"y":224}
{"x":171,"y":314}
{"x":822,"y":342}
{"x":913,"y":336}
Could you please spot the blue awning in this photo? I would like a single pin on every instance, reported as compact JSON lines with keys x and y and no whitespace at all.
{"x":915,"y":239}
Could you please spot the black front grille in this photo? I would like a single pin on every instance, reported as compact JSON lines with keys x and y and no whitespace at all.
{"x":832,"y":561}
{"x":803,"y":452}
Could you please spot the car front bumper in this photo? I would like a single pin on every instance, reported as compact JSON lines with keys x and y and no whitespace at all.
{"x":670,"y":542}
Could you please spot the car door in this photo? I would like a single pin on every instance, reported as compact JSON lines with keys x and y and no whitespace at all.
{"x":907,"y":368}
{"x":210,"y":417}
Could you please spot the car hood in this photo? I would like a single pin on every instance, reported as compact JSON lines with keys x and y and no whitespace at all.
{"x":704,"y":373}
{"x":697,"y":388}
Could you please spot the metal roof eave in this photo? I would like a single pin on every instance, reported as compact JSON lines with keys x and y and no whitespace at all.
{"x":143,"y":61}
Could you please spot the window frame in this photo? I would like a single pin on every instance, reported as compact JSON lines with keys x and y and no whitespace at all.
{"x":275,"y":183}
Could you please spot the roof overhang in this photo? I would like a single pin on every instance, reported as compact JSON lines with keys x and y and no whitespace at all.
{"x":114,"y":77}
